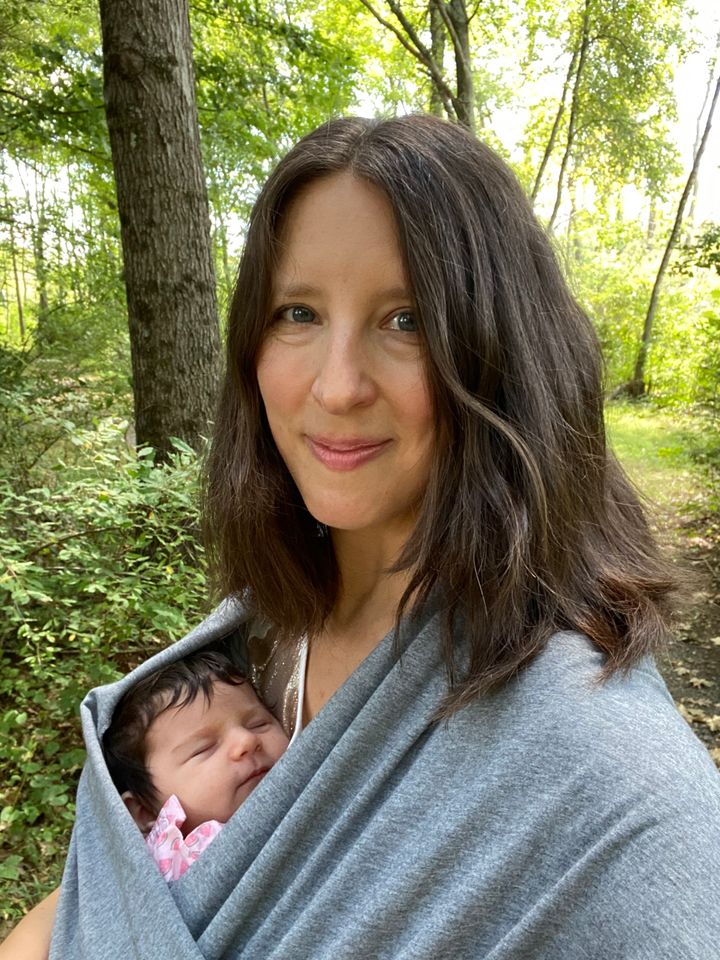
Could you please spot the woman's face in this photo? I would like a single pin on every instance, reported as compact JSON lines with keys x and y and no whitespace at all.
{"x":341,"y":371}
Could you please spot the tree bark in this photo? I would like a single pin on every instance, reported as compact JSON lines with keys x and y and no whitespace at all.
{"x":455,"y":17}
{"x":459,"y":30}
{"x":437,"y":50}
{"x":574,"y":107}
{"x":165,"y":224}
{"x":637,"y":386}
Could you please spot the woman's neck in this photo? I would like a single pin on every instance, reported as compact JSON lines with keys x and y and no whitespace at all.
{"x":364,"y":612}
{"x":367,"y":593}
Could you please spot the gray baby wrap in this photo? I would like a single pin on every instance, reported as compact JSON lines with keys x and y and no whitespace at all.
{"x":555,"y":819}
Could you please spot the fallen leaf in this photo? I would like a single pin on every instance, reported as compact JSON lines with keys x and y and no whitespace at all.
{"x":715,"y":640}
{"x":691,"y":714}
{"x":699,"y":683}
{"x":682,"y":671}
{"x":698,"y":701}
{"x":684,"y":713}
{"x":713,"y":723}
{"x":715,"y":754}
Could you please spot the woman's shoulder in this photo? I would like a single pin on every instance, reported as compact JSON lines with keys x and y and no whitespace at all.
{"x":560,"y":713}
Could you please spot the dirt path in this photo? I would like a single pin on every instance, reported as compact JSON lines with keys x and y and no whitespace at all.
{"x":692,"y":669}
{"x":654,"y":449}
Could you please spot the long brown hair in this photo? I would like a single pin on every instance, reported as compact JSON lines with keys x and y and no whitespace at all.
{"x":528,"y":524}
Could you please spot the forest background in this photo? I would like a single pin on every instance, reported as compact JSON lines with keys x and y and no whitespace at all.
{"x":110,"y":311}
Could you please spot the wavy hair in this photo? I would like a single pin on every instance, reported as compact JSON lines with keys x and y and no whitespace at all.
{"x":528,"y":525}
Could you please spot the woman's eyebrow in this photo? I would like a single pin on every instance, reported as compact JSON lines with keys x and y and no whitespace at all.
{"x":297,"y":290}
{"x":309,"y":290}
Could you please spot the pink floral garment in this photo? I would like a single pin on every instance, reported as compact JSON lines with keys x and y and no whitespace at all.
{"x":172,"y":852}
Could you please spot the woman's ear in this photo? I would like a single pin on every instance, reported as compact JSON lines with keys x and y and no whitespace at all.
{"x":143,"y":817}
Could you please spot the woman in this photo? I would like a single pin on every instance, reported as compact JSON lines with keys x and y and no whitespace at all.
{"x":409,"y":479}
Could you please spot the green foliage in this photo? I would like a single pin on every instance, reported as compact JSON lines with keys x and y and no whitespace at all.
{"x":703,"y":252}
{"x":41,"y":411}
{"x":51,"y":80}
{"x":708,"y":376}
{"x":101,"y":567}
{"x":264,"y":77}
{"x":625,"y":98}
{"x":684,"y":360}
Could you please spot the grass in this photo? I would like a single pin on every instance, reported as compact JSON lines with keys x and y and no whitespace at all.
{"x":656,"y":449}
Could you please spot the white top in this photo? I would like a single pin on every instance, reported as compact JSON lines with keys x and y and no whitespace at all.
{"x":304,"y":647}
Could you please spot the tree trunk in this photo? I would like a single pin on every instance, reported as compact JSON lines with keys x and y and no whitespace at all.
{"x":410,"y":39}
{"x":16,"y":277}
{"x":36,"y":214}
{"x":696,"y":146}
{"x":459,"y":29}
{"x":437,"y":49}
{"x":556,"y":124}
{"x":574,"y":107}
{"x":573,"y":246}
{"x":164,"y":218}
{"x":637,"y":386}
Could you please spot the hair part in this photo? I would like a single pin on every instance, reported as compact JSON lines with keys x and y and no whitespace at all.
{"x":528,"y":524}
{"x":176,"y":685}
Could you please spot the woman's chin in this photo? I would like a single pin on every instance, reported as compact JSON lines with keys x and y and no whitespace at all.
{"x":365,"y":517}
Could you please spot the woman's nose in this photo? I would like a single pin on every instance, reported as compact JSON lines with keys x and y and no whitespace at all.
{"x":343,"y":378}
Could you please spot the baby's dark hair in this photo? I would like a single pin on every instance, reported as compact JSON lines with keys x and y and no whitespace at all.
{"x":175,"y":685}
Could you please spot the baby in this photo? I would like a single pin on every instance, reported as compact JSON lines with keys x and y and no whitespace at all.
{"x":184,"y":763}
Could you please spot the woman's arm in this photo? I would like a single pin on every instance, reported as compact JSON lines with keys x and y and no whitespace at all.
{"x":30,"y":940}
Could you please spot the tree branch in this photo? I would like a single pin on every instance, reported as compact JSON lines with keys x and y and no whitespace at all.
{"x":471,"y":16}
{"x":457,"y":46}
{"x":556,"y":125}
{"x":417,"y":48}
{"x":574,"y":106}
{"x":90,"y":532}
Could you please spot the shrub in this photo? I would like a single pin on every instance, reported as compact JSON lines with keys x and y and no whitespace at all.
{"x":101,"y":566}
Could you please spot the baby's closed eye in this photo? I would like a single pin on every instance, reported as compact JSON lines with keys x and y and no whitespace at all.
{"x":259,"y":724}
{"x":202,"y":749}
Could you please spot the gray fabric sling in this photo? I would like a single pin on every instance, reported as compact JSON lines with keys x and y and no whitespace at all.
{"x":555,"y":819}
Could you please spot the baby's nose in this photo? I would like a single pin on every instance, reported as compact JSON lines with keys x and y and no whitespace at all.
{"x":242,"y":741}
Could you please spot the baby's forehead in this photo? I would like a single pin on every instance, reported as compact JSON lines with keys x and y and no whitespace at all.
{"x":218,"y":694}
{"x":176,"y":720}
{"x":240,"y":690}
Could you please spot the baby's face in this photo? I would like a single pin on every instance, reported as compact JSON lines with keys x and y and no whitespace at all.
{"x":212,"y":756}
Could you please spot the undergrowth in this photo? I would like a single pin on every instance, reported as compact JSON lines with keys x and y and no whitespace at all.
{"x":101,"y":567}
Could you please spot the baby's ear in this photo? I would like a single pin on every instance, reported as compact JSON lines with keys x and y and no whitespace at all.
{"x":143,"y":817}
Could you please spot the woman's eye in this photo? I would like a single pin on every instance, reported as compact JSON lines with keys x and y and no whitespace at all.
{"x":404,"y":321}
{"x":296,"y":314}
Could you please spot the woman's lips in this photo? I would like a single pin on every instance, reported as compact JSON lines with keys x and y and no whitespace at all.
{"x":345,"y":454}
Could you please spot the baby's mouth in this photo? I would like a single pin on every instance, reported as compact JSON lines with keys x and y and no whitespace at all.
{"x":254,"y":777}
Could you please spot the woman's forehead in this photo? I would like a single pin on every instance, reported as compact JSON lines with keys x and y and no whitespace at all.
{"x":339,"y":229}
